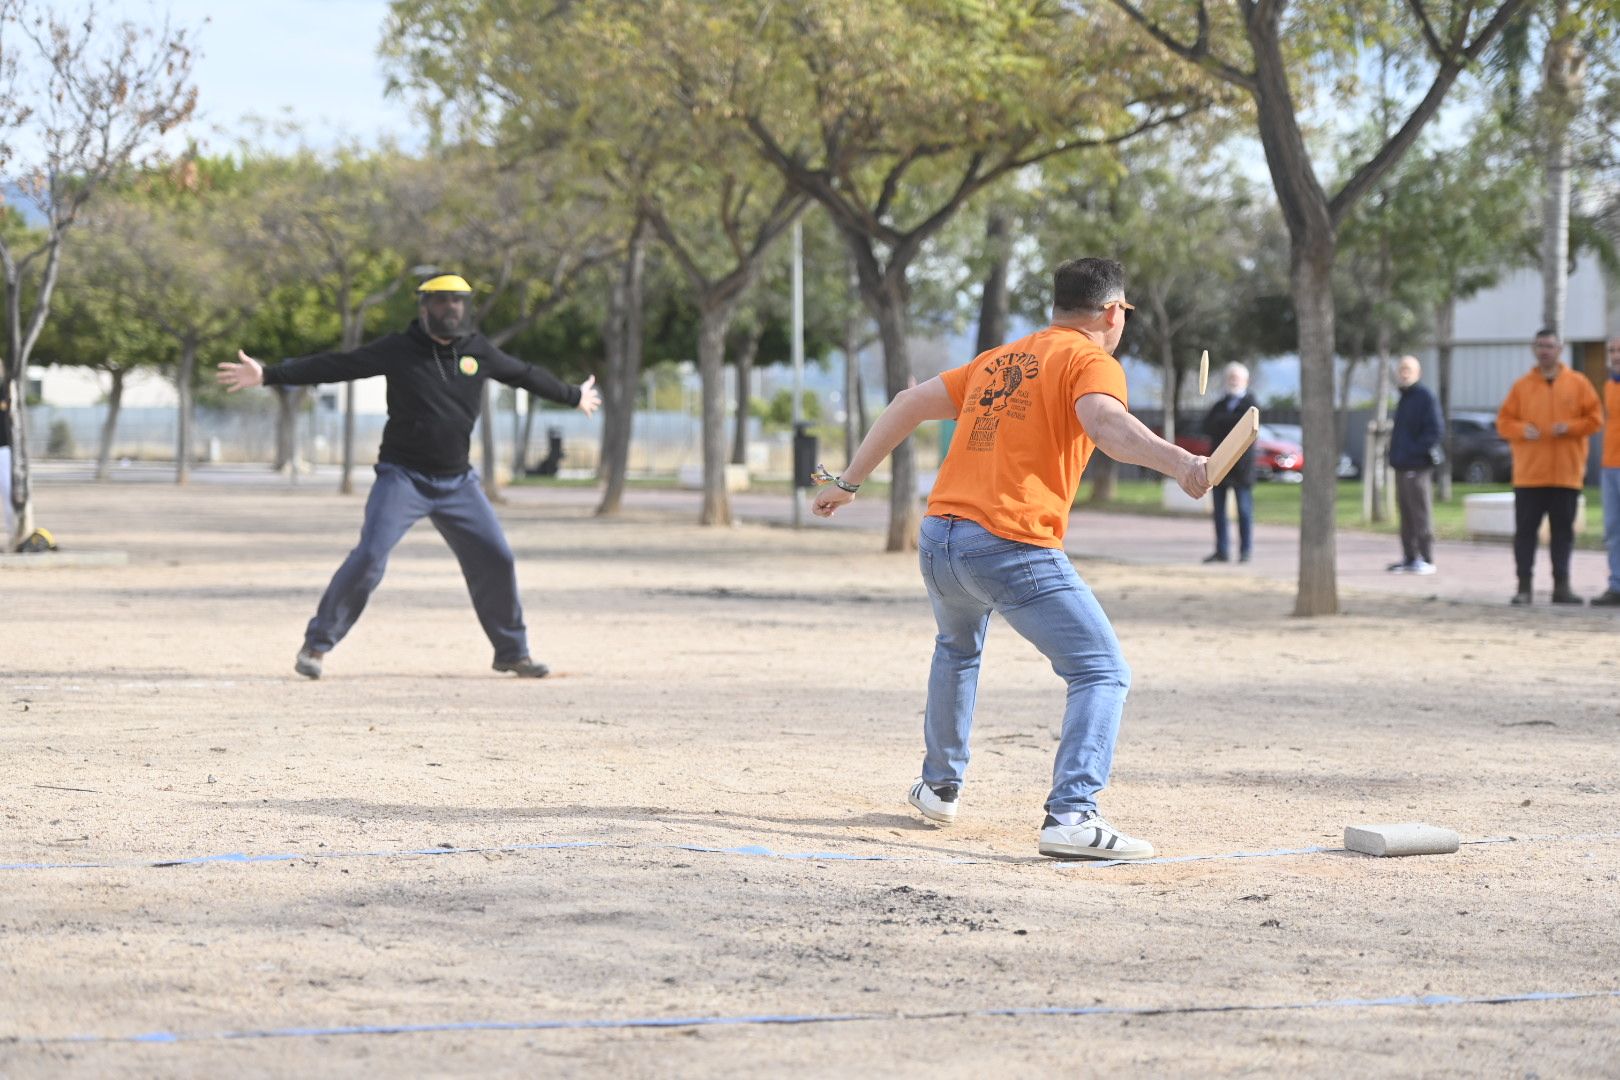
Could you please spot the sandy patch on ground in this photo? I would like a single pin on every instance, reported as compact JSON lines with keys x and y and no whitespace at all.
{"x":759,"y":687}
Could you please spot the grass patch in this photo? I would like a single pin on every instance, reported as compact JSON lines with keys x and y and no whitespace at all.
{"x":1278,"y":504}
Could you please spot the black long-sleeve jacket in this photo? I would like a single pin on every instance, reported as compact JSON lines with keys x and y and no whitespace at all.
{"x":1218,"y":424}
{"x":434,"y":391}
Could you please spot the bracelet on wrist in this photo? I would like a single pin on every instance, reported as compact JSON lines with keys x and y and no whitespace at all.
{"x":821,"y":476}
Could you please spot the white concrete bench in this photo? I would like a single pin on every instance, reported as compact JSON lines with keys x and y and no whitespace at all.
{"x":1491,"y":516}
{"x":690,"y":477}
{"x":1177,"y":501}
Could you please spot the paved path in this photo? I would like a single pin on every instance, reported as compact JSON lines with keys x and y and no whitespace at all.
{"x":1469,"y":572}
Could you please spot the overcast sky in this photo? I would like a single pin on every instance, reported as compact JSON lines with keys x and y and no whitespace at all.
{"x":314,"y":61}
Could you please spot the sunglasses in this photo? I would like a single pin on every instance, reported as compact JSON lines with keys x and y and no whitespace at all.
{"x":1124,"y":306}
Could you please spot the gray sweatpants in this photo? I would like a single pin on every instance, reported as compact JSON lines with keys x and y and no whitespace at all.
{"x":456,"y":505}
{"x":1414,"y":496}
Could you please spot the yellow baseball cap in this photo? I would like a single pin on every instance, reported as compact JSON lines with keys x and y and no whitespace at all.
{"x":445,"y":283}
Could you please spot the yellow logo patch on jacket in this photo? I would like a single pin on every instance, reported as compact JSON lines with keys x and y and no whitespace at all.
{"x":469,"y":365}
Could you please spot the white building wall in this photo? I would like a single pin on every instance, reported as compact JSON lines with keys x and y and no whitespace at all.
{"x":1511,"y":310}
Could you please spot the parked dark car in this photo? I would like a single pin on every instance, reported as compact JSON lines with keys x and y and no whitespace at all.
{"x":1478,"y":454}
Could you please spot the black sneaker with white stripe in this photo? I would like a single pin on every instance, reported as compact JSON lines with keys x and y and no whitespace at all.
{"x":936,"y":803}
{"x":1091,"y":838}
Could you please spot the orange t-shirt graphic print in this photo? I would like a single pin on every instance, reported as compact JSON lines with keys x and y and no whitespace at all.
{"x":1014,"y":464}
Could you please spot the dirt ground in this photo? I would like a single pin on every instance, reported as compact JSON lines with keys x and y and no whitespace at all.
{"x":760,"y":688}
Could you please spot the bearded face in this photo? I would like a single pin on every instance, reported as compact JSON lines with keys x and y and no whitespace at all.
{"x":446,"y":315}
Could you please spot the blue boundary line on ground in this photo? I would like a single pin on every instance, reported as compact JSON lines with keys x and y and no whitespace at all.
{"x":1008,"y":1012}
{"x":290,"y":856}
{"x":754,"y":850}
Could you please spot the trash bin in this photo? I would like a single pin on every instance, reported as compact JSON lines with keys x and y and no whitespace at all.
{"x":805,"y":453}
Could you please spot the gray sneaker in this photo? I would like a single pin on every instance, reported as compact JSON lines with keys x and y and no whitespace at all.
{"x":524,"y":668}
{"x":1092,"y":838}
{"x":309,"y":663}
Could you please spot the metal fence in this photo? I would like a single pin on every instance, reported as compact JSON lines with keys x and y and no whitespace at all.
{"x":662,"y":444}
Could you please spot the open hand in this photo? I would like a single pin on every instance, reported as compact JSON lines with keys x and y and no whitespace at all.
{"x":589,"y":399}
{"x":241,"y":373}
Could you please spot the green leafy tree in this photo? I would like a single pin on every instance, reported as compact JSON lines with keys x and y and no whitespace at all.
{"x":893,"y":114}
{"x":80,"y":102}
{"x":1276,"y":52}
{"x":183,"y":258}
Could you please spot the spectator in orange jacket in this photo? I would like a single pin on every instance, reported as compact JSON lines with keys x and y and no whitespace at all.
{"x":1547,"y":418}
{"x":1611,"y":477}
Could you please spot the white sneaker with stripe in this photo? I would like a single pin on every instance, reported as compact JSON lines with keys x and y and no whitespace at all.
{"x":1091,"y":838}
{"x":937,"y":804}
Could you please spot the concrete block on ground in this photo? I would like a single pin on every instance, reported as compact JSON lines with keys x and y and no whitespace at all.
{"x":1410,"y":838}
{"x":1172,"y":498}
{"x":690,"y":477}
{"x":1491,"y":515}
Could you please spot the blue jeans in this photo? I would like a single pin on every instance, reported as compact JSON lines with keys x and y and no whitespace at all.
{"x":1611,"y":521}
{"x":1245,"y":516}
{"x":971,"y":572}
{"x":456,"y":505}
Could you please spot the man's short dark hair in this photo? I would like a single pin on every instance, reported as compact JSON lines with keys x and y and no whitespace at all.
{"x":1547,"y":331}
{"x":1087,"y":284}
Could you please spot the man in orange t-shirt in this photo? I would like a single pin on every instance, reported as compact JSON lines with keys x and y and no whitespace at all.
{"x":1611,"y":477}
{"x":1547,"y":417}
{"x":1028,"y":416}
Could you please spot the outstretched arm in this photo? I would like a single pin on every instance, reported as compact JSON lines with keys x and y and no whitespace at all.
{"x":1125,"y":438}
{"x":241,"y":373}
{"x":910,"y":407}
{"x":506,"y":368}
{"x":328,"y":367}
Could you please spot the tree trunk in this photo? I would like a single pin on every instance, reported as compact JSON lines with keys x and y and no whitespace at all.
{"x":1341,"y":418}
{"x":486,"y":445}
{"x":1444,"y":331}
{"x":1312,"y":288}
{"x":712,"y":325}
{"x":346,"y":480}
{"x":109,"y":426}
{"x":352,"y":328}
{"x":890,"y":309}
{"x":22,"y":503}
{"x":289,"y":455}
{"x":183,"y":380}
{"x":1563,"y":72}
{"x":1167,"y":364}
{"x":863,"y":421}
{"x":993,"y":298}
{"x":525,"y":435}
{"x":1104,"y":478}
{"x":854,"y":387}
{"x":1377,"y":471}
{"x":625,"y":310}
{"x":745,"y":390}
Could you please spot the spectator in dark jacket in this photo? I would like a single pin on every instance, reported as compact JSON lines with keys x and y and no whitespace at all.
{"x":1415,"y":448}
{"x":1218,"y":423}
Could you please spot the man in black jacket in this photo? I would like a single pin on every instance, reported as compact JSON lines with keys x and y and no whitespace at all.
{"x":1218,"y":424}
{"x":436,"y":370}
{"x":1414,"y":450}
